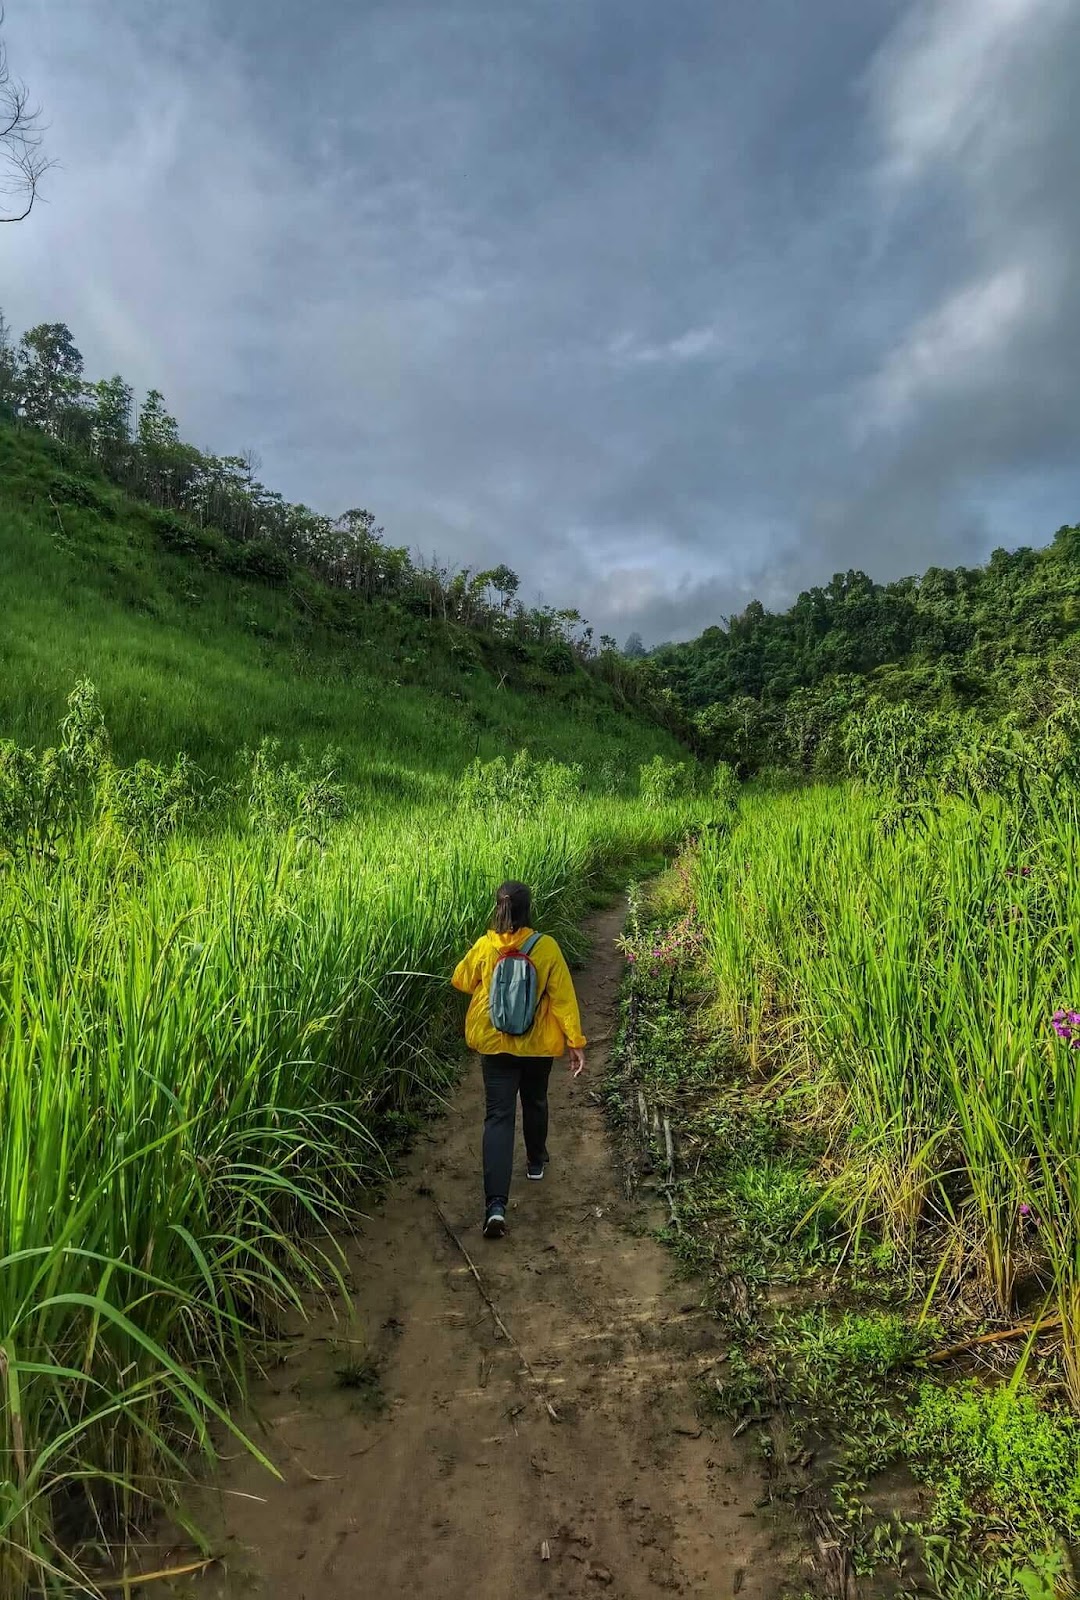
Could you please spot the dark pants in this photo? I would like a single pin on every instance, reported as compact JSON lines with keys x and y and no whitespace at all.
{"x":505,"y":1077}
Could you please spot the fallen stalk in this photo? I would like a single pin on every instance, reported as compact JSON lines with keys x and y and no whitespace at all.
{"x":1045,"y":1325}
{"x":499,"y":1323}
{"x":136,"y":1579}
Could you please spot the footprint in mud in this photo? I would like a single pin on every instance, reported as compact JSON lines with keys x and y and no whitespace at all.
{"x":361,"y":1379}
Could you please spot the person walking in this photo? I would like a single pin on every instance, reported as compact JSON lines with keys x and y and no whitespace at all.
{"x":523,"y":1013}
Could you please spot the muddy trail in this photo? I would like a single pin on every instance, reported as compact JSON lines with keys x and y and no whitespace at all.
{"x":418,"y":1448}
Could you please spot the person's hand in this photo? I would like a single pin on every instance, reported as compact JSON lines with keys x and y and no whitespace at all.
{"x":576,"y":1062}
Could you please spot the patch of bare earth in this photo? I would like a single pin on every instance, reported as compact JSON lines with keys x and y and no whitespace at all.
{"x":448,"y":1478}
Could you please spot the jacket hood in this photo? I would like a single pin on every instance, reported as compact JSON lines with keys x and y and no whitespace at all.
{"x":509,"y":941}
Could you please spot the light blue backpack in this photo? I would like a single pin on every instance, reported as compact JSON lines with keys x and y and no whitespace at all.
{"x":515,"y":990}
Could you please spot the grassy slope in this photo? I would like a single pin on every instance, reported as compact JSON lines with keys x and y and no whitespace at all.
{"x":189,"y":655}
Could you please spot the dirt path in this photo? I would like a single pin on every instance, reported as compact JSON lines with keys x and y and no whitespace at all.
{"x":449,"y":1489}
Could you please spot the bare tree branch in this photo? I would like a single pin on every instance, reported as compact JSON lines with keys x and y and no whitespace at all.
{"x":22,"y":160}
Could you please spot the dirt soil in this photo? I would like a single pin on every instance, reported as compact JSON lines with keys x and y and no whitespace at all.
{"x":433,"y":1468}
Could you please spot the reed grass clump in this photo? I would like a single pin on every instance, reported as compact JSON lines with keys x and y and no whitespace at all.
{"x":924,"y":958}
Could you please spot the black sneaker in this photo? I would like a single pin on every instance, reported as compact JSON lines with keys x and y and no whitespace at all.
{"x":495,"y":1222}
{"x":535,"y":1170}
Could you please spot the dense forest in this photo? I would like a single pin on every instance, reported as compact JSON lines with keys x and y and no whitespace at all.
{"x":967,"y":647}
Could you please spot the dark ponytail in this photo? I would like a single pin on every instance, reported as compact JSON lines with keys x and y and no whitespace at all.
{"x":513,"y":907}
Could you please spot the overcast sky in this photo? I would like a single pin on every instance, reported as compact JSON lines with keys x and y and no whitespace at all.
{"x":667,"y":303}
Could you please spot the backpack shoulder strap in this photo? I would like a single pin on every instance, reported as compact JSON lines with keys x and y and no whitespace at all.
{"x":531,"y":943}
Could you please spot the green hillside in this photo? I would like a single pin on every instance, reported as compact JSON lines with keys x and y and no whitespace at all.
{"x":206,"y":644}
{"x":983,"y":645}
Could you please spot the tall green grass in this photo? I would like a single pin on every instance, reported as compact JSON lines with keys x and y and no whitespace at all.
{"x":196,"y":1039}
{"x":915,"y":957}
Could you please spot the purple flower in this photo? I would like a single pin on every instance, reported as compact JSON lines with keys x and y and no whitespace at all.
{"x":1066,"y":1025}
{"x":1025,"y":1211}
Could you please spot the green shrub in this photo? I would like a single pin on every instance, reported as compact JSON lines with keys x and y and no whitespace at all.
{"x":304,"y":795}
{"x":873,"y":1342}
{"x":724,"y":788}
{"x":662,"y":781}
{"x":559,"y":782}
{"x":998,"y":1459}
{"x":557,"y":658}
{"x":782,"y":1208}
{"x":521,"y":782}
{"x":68,"y":490}
{"x":175,"y":532}
{"x":44,"y":793}
{"x":264,"y":559}
{"x":609,"y":777}
{"x":148,"y":800}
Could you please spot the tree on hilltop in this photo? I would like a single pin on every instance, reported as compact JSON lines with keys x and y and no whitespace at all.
{"x":50,"y":372}
{"x":111,"y":400}
{"x":157,"y":429}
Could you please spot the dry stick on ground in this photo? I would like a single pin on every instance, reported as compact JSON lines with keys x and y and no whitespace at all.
{"x":669,"y":1188}
{"x":499,"y":1323}
{"x":1043,"y":1326}
{"x":136,"y":1579}
{"x":669,"y":1148}
{"x":368,"y":1447}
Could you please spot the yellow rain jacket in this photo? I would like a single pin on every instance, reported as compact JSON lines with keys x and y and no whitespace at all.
{"x":557,"y":1023}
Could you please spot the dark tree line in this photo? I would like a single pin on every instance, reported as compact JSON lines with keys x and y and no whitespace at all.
{"x":139,"y":447}
{"x":775,"y":689}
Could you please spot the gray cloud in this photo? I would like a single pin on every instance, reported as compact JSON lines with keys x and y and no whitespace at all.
{"x":666,"y":306}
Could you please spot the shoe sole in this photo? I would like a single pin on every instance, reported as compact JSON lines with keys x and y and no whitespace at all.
{"x":535,"y":1177}
{"x":495,"y":1228}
